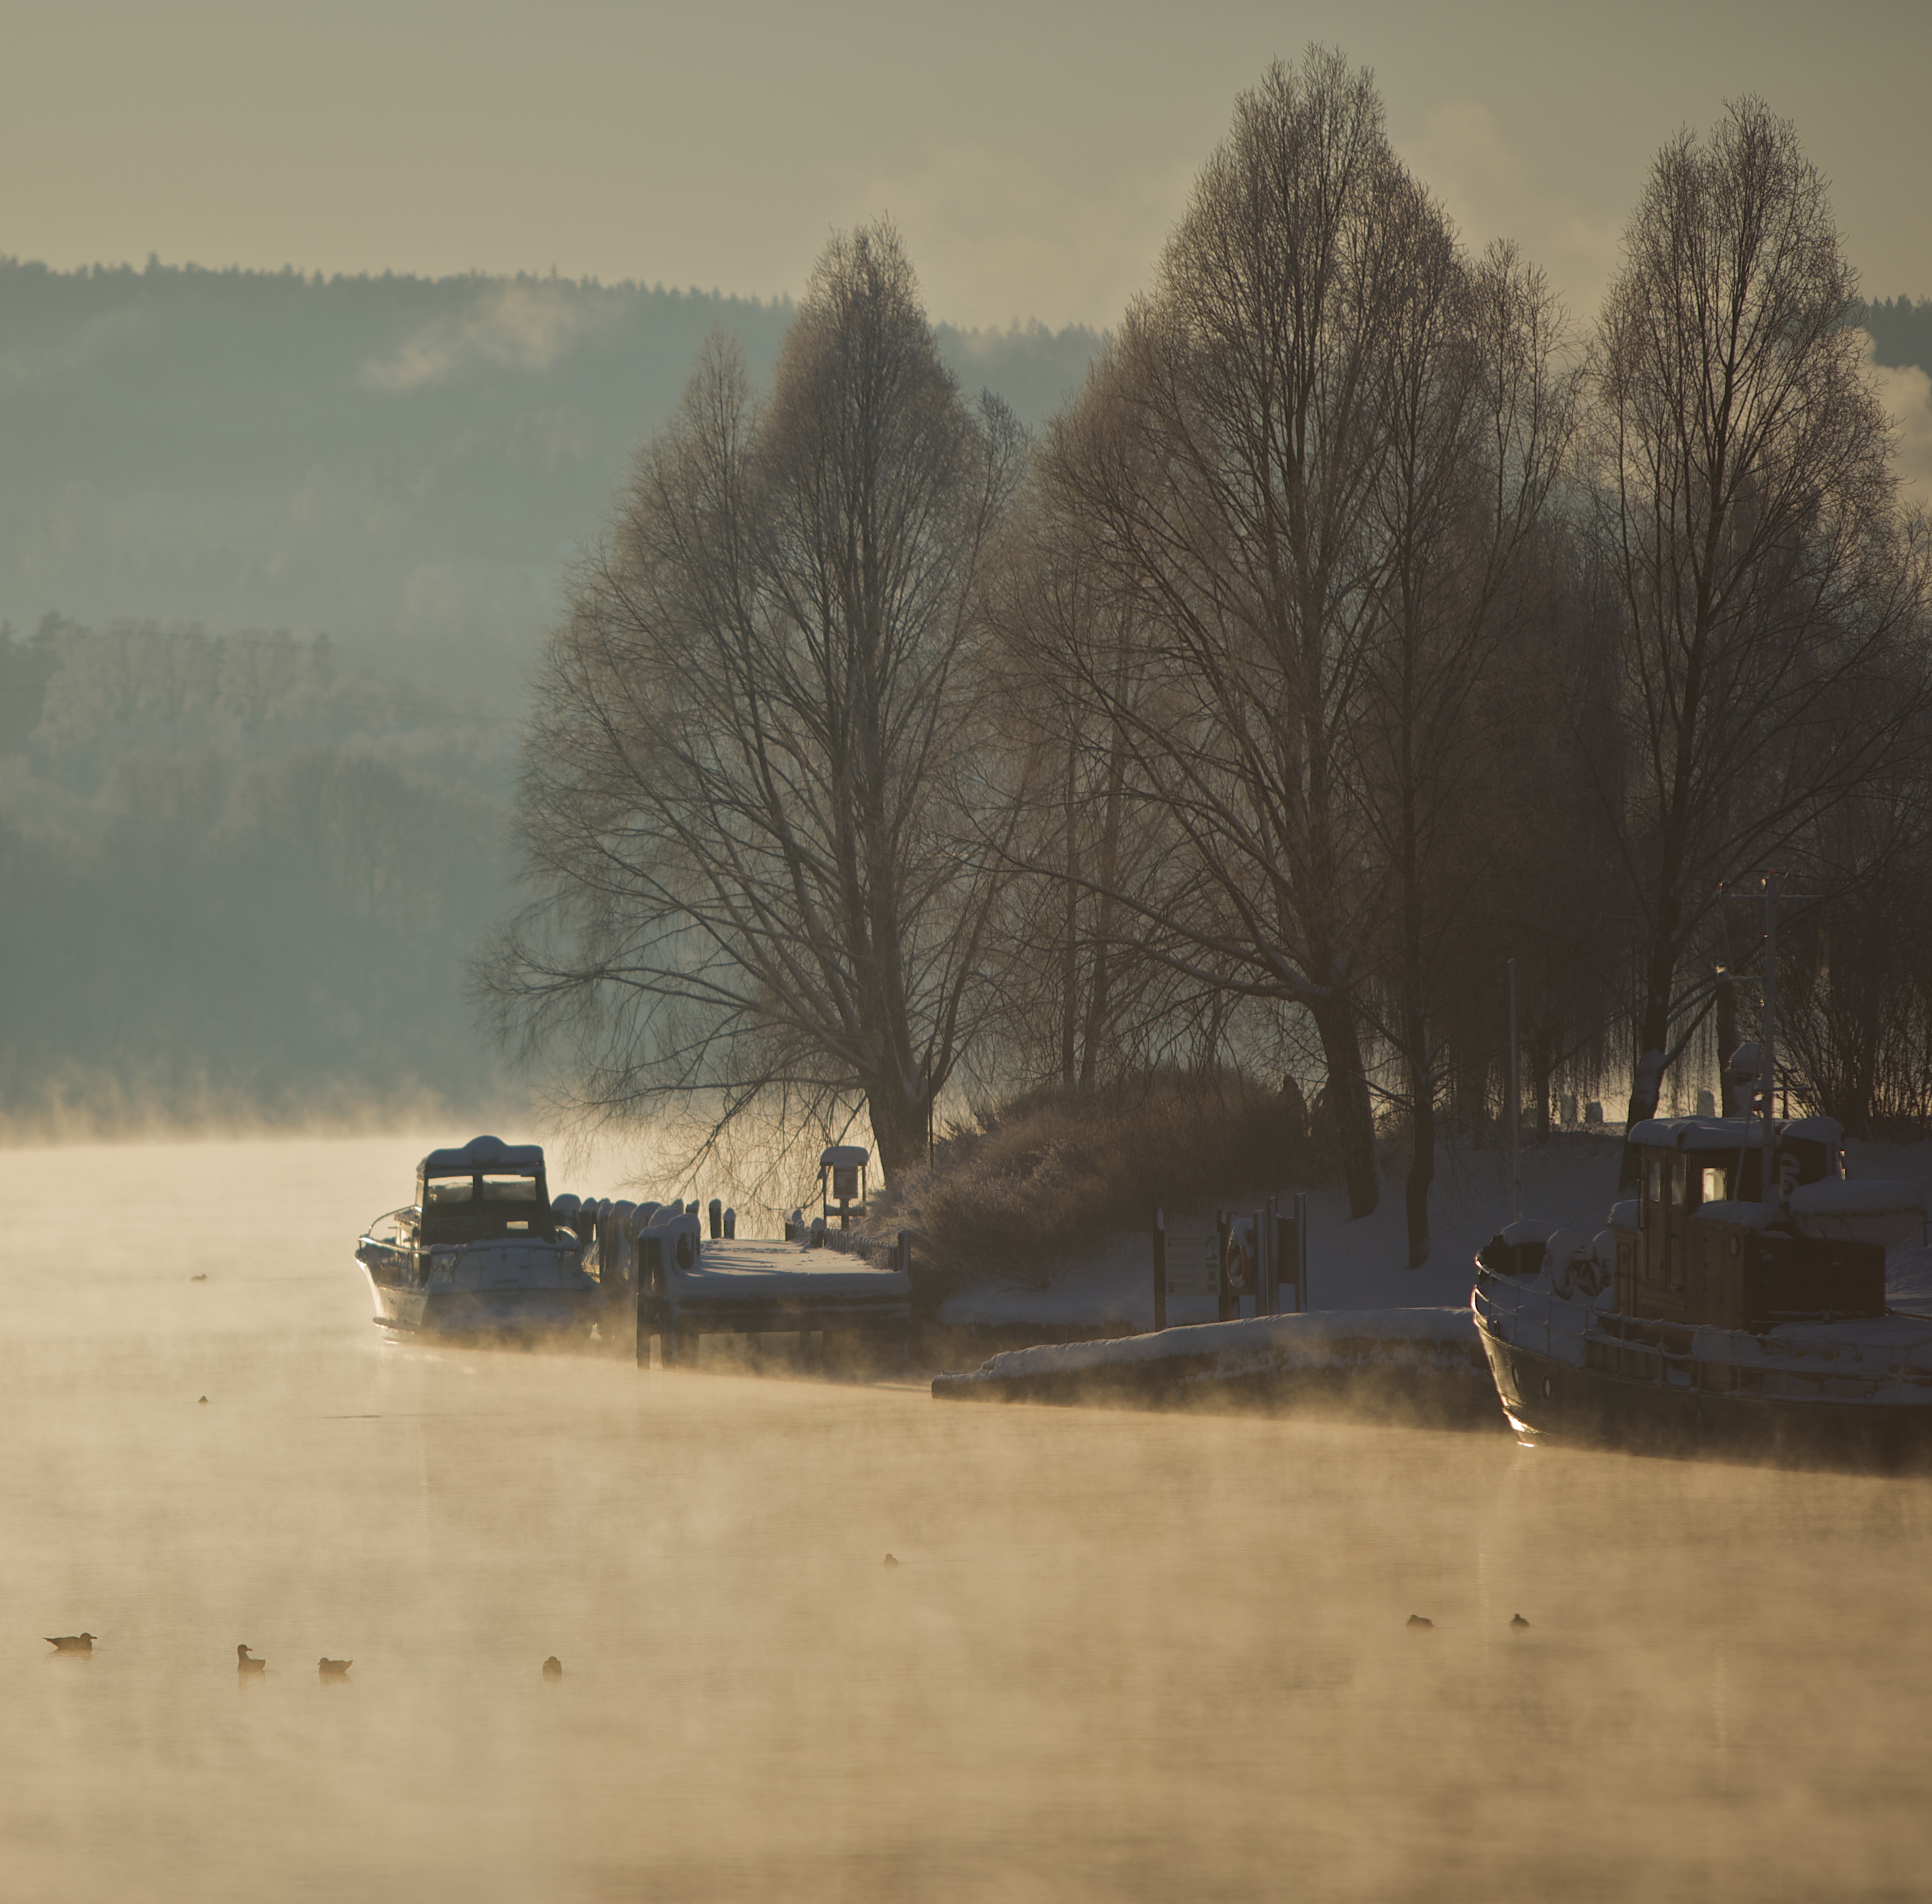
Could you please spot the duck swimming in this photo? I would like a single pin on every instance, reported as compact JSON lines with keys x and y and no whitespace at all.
{"x":1517,"y":1619}
{"x":244,"y":1664}
{"x":334,"y":1669}
{"x":1417,"y":1620}
{"x":73,"y":1643}
{"x":552,"y":1667}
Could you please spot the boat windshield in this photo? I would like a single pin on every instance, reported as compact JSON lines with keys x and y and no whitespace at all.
{"x":439,"y":1193}
{"x":509,"y":1189}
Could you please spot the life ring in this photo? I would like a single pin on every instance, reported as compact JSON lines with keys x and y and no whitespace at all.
{"x":1241,"y":1261}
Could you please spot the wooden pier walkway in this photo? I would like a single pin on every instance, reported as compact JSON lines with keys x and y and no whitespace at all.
{"x":689,"y":1286}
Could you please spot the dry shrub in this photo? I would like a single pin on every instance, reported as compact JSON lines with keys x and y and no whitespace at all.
{"x":1052,"y":1175}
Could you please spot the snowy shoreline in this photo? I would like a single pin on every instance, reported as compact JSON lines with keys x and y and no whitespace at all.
{"x":1422,"y":1366}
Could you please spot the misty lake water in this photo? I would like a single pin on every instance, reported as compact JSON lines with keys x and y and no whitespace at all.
{"x":1125,"y":1656}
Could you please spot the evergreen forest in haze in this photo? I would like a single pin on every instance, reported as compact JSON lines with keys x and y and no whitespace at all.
{"x":407,"y":464}
{"x":276,"y":557}
{"x":1901,"y":332}
{"x":241,"y":881}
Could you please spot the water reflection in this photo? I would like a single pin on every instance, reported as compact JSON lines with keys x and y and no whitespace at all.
{"x":1123,"y":1656}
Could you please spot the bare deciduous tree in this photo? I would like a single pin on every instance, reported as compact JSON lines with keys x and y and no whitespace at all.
{"x":742,"y":809}
{"x":1479,"y":421}
{"x":1224,"y":460}
{"x":1771,"y":589}
{"x":1086,"y":999}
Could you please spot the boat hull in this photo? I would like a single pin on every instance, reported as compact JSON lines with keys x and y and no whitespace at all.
{"x":1551,"y":1400}
{"x":459,"y":1297}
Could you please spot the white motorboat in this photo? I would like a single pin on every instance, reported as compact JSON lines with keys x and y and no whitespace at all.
{"x":481,"y":1251}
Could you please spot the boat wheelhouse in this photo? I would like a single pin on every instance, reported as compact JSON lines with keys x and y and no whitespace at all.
{"x":481,"y":1251}
{"x":1735,"y":1307}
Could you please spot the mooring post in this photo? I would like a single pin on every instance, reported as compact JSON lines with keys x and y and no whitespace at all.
{"x":650,"y":1281}
{"x":1300,"y":1252}
{"x":716,"y":1211}
{"x":1269,"y":1276}
{"x":731,"y":1224}
{"x":1160,"y":1269}
{"x":1223,"y":1227}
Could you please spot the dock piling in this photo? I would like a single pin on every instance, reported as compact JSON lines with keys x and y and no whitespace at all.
{"x":650,"y":1282}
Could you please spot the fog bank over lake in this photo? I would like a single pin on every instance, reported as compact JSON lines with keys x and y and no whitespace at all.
{"x":1124,"y":1656}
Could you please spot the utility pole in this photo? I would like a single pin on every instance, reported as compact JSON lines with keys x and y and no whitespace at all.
{"x":1516,"y":1095}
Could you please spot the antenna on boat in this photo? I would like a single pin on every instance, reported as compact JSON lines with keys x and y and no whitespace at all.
{"x":1516,"y":1094}
{"x":1769,"y":1036}
{"x":1767,"y":1045}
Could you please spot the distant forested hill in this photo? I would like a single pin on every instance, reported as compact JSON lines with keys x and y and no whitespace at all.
{"x":1901,"y":331}
{"x":277,"y":553}
{"x":407,"y":464}
{"x":237,"y":880}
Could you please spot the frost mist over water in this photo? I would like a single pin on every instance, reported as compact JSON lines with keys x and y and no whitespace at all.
{"x":1125,"y":1656}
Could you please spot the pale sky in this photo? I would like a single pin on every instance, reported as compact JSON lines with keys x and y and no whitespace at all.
{"x":1034,"y":155}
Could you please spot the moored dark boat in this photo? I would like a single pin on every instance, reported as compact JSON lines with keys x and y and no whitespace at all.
{"x":1734,"y":1310}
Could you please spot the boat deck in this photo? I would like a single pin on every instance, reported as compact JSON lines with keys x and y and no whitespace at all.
{"x":1856,"y":1394}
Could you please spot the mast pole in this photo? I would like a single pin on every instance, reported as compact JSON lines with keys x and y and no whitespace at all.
{"x":1768,"y":1037}
{"x":1516,"y":1093}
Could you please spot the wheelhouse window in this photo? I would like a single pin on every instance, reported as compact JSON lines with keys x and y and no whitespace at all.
{"x":1717,"y":1185}
{"x":1680,"y":1182}
{"x":440,"y":1192}
{"x":1654,"y":1181}
{"x":509,"y":1189}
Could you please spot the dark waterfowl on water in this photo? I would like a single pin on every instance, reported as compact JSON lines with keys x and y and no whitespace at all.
{"x":334,"y":1669}
{"x":1417,"y":1620}
{"x":890,"y":1561}
{"x":1517,"y":1619}
{"x":72,"y":1643}
{"x":245,"y":1664}
{"x":552,"y":1667}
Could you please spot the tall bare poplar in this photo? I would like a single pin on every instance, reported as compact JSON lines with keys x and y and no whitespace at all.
{"x":1217,"y":457}
{"x":1084,"y":996}
{"x":1771,"y":590}
{"x":1227,"y":459}
{"x":742,"y":810}
{"x":1479,"y":420}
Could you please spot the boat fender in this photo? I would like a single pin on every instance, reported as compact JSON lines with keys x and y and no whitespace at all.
{"x":1241,"y":1256}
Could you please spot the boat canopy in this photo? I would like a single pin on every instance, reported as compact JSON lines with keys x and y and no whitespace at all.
{"x":1732,"y":1133}
{"x":482,"y":1153}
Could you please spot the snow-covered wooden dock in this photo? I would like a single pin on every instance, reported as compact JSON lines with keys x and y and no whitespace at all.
{"x":689,"y":1286}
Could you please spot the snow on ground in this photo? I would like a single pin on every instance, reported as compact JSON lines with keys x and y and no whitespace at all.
{"x":1571,"y":1182}
{"x":1447,"y":1336}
